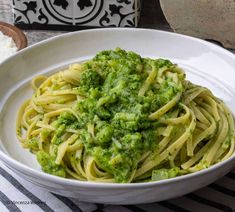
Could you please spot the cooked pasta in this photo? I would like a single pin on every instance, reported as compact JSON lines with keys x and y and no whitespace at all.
{"x":122,"y":118}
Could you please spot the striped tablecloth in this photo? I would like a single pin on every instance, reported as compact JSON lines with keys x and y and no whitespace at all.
{"x":17,"y":195}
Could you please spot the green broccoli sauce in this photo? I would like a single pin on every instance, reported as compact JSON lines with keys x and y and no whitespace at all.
{"x":110,"y":83}
{"x":48,"y":164}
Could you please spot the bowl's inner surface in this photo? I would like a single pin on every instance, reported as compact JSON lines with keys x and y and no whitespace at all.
{"x":204,"y":64}
{"x":22,"y":91}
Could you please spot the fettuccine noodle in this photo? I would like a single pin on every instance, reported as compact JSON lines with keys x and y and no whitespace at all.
{"x":179,"y":129}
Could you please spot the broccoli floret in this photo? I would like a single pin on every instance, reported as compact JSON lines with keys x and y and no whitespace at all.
{"x":104,"y":135}
{"x":48,"y":164}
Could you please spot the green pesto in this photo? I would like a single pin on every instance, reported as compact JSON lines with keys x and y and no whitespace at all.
{"x":48,"y":164}
{"x":110,"y":83}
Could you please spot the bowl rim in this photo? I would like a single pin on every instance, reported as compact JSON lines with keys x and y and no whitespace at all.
{"x":19,"y":32}
{"x":26,"y":170}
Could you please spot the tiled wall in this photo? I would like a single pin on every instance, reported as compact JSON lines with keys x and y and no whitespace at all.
{"x":86,"y":13}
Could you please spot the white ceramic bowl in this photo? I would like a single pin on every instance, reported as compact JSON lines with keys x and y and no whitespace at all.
{"x":204,"y":63}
